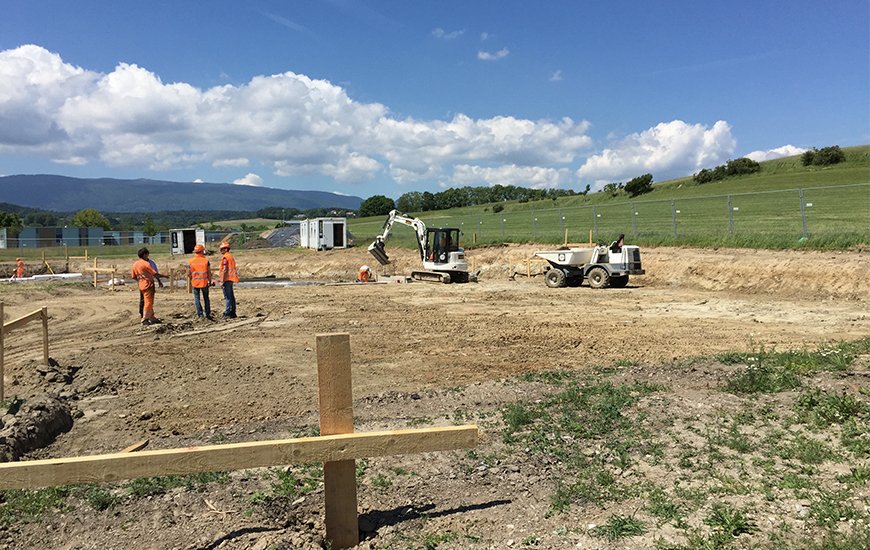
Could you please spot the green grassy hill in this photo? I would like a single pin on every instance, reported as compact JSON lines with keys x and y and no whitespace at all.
{"x":784,"y":205}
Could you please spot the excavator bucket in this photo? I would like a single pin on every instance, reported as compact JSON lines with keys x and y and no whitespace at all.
{"x":377,"y":250}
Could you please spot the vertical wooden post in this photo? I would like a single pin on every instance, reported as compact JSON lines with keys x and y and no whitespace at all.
{"x":336,"y":417}
{"x":590,"y":237}
{"x":95,"y":270}
{"x":114,"y":269}
{"x":86,"y":254}
{"x":2,"y":345}
{"x":45,"y":335}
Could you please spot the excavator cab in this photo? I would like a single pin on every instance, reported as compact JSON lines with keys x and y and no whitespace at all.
{"x":440,"y":243}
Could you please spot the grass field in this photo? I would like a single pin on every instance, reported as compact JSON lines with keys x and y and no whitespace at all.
{"x":785,"y":205}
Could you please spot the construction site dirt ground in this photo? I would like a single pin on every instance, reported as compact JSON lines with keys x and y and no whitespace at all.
{"x":422,"y":354}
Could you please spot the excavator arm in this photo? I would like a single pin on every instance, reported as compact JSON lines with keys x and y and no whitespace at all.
{"x":377,"y":247}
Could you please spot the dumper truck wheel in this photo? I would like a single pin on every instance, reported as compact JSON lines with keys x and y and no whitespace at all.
{"x":598,"y":277}
{"x":619,"y":282}
{"x":555,"y":278}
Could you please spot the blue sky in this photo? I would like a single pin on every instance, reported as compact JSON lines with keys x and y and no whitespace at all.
{"x":387,"y":97}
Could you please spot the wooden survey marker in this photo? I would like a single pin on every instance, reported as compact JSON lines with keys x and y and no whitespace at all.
{"x":337,"y":447}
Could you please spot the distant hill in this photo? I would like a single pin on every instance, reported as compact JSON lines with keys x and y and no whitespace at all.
{"x":66,"y":194}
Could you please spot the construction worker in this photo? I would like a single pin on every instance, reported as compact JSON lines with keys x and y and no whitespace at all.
{"x":157,"y":276}
{"x":228,"y":276}
{"x":19,"y":268}
{"x":144,"y":274}
{"x":199,"y":273}
{"x":365,"y":273}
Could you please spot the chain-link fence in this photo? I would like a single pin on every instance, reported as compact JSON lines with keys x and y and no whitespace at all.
{"x":838,"y":215}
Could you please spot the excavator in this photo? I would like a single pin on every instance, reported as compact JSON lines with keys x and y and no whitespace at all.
{"x":443,"y":259}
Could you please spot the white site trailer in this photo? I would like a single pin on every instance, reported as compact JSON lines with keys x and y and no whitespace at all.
{"x":323,"y":233}
{"x":182,"y":241}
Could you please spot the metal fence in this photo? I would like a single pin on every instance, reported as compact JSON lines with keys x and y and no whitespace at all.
{"x":833,"y":212}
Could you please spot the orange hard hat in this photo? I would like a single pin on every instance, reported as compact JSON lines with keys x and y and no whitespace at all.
{"x":198,"y":249}
{"x":224,"y":244}
{"x":17,"y":259}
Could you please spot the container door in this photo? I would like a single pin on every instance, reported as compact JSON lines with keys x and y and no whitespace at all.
{"x":327,"y":235}
{"x":338,"y":234}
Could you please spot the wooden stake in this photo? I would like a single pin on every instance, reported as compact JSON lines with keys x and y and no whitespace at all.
{"x":2,"y":345}
{"x":336,"y":417}
{"x":45,"y":335}
{"x":95,"y":268}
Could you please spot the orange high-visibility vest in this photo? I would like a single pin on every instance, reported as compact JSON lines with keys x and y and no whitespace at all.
{"x":20,"y":271}
{"x":199,"y":271}
{"x":228,"y":269}
{"x":144,"y":274}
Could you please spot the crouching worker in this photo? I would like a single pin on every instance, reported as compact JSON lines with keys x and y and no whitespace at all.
{"x":365,"y":273}
{"x":199,"y":273}
{"x":228,"y":277}
{"x":144,"y":275}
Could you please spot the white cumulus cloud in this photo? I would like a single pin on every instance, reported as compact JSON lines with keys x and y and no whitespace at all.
{"x":669,"y":147}
{"x":295,"y":124}
{"x":556,"y":76}
{"x":493,"y":56}
{"x":779,"y":152}
{"x":444,"y":35}
{"x":250,"y":179}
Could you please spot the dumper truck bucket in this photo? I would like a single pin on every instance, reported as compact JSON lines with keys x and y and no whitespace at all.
{"x":377,"y":250}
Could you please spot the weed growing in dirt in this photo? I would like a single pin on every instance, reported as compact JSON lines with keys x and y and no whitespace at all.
{"x":760,"y":377}
{"x":619,"y":527}
{"x":663,"y":507}
{"x":381,"y":481}
{"x":98,"y":497}
{"x":729,"y":520}
{"x":25,"y":506}
{"x":584,"y":428}
{"x":148,"y":486}
{"x":858,"y":475}
{"x":821,"y":409}
{"x":831,"y":507}
{"x":297,"y":480}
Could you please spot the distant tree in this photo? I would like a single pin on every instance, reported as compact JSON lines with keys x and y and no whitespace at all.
{"x":377,"y":205}
{"x":741,"y":166}
{"x":428,"y":201}
{"x":639,"y":185}
{"x":44,"y":219}
{"x":612,"y":189}
{"x":410,"y":202}
{"x":586,"y":190}
{"x":824,"y":156}
{"x":149,"y":228}
{"x":12,"y":222}
{"x":91,"y":218}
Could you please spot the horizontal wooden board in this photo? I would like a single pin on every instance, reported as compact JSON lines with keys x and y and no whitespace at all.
{"x":235,"y":456}
{"x":21,"y":321}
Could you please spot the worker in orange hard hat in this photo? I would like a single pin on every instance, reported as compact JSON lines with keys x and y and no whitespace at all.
{"x":228,"y":276}
{"x":19,"y":268}
{"x":365,"y":273}
{"x":199,"y":273}
{"x":144,"y":275}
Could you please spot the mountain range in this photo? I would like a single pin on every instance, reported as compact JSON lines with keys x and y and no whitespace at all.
{"x":67,"y":194}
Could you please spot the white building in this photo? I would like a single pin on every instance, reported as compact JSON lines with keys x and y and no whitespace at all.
{"x":323,"y":233}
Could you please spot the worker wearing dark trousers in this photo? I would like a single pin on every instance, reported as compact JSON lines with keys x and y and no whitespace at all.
{"x":199,"y":273}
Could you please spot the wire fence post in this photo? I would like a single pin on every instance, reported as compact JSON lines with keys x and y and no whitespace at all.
{"x":633,"y":220}
{"x":479,"y":228}
{"x":594,"y":223}
{"x":534,"y":227}
{"x":730,"y":216}
{"x":803,"y":214}
{"x":502,"y":229}
{"x":674,"y":216}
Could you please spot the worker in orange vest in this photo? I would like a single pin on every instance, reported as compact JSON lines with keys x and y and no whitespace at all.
{"x":199,"y":273}
{"x":19,"y":268}
{"x":145,"y":274}
{"x":365,"y":273}
{"x":228,"y":276}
